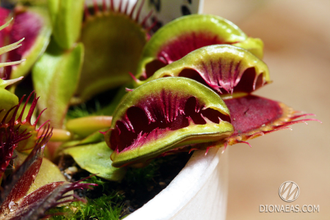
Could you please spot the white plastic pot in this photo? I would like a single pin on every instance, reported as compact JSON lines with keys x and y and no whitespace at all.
{"x":199,"y":191}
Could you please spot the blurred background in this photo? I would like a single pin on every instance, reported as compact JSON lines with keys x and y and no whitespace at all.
{"x":296,"y":35}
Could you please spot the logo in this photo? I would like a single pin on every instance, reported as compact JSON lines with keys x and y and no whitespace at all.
{"x":289,"y":191}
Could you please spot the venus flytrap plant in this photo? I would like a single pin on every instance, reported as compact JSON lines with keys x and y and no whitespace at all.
{"x":232,"y":72}
{"x":190,"y":88}
{"x":141,"y":129}
{"x":25,"y":193}
{"x":57,"y":72}
{"x":66,"y":57}
{"x":75,"y":70}
{"x":65,"y":74}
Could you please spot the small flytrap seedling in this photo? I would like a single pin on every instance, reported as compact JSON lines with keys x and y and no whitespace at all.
{"x":187,"y":87}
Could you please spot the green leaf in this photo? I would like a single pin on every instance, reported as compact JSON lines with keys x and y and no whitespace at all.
{"x":95,"y":158}
{"x":48,"y":173}
{"x":7,"y":101}
{"x":55,"y":77}
{"x":92,"y":138}
{"x":85,"y":126}
{"x":66,"y":17}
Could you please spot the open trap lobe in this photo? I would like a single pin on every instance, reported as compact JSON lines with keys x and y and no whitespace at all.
{"x":225,"y":69}
{"x":215,"y":79}
{"x":180,"y":47}
{"x":154,"y":116}
{"x":184,"y":44}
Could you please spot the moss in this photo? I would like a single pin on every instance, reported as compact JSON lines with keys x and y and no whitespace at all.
{"x":81,"y":110}
{"x":105,"y":207}
{"x":115,"y":200}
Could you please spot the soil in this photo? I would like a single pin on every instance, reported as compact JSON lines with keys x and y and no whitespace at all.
{"x":139,"y":184}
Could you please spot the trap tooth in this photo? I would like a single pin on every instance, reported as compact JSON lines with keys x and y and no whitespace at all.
{"x":256,"y":116}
